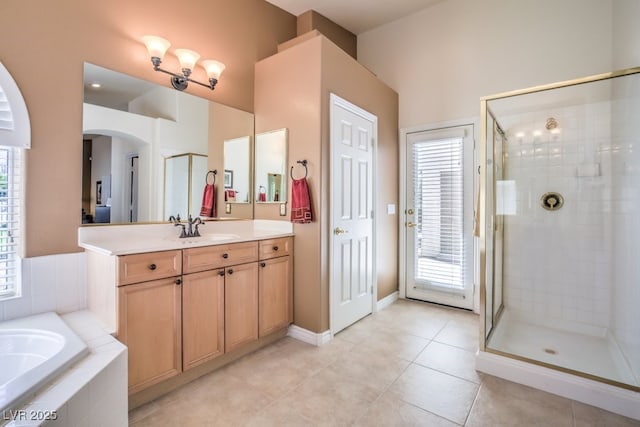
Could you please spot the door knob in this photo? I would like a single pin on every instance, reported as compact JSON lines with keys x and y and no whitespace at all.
{"x":410,"y":211}
{"x":411,"y":224}
{"x":339,"y":231}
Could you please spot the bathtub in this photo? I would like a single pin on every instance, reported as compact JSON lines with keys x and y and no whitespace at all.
{"x":33,"y":351}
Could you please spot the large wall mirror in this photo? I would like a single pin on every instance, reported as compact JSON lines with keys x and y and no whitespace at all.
{"x":132,"y":128}
{"x":271,"y":167}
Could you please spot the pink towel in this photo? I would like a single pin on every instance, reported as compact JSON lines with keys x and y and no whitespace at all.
{"x":208,"y":201}
{"x":301,"y":211}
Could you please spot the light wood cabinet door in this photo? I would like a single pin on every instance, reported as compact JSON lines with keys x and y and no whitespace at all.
{"x":241,"y":305}
{"x":202,"y":317}
{"x":275,"y":296}
{"x":149,"y":324}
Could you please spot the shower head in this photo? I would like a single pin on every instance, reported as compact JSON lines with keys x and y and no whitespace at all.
{"x":552,"y":123}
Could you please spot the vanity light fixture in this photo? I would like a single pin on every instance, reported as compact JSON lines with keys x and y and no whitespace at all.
{"x":157,"y":47}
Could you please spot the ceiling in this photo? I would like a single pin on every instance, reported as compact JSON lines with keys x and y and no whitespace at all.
{"x":116,"y":89}
{"x":356,"y":16}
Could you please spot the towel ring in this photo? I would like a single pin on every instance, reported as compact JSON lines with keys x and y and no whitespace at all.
{"x":303,"y":163}
{"x":214,"y":173}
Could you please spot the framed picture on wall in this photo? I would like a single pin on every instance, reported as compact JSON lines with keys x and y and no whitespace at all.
{"x":99,"y":192}
{"x":228,"y":178}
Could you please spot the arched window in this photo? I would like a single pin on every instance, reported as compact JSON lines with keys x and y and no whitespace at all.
{"x":15,"y":137}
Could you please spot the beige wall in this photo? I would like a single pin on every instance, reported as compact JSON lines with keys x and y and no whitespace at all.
{"x":44,"y":45}
{"x":345,"y":39}
{"x":293,"y":76}
{"x":356,"y":84}
{"x":443,"y":59}
{"x":303,"y":76}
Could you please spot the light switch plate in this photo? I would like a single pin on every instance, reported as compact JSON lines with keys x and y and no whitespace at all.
{"x":283,"y":209}
{"x":391,"y":209}
{"x":227,"y":208}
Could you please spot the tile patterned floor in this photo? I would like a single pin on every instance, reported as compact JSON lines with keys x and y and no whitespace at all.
{"x":411,"y":364}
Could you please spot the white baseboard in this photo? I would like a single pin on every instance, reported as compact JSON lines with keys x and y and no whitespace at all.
{"x":608,"y":397}
{"x":309,"y":337}
{"x":387,"y":301}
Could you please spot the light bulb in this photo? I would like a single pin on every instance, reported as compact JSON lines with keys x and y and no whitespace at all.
{"x":187,"y":58}
{"x":157,"y":46}
{"x":213,"y":68}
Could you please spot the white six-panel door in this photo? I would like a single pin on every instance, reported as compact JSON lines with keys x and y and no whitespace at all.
{"x":353,"y":133}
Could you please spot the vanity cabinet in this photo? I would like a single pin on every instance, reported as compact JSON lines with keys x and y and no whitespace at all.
{"x":182,"y":308}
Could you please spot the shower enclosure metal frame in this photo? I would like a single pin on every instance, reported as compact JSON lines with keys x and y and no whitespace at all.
{"x":487,"y":208}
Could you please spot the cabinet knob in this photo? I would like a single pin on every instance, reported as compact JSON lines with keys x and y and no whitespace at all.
{"x":263,"y":264}
{"x":225,"y":256}
{"x":178,"y":281}
{"x":221,"y":273}
{"x":230,"y":271}
{"x":152,"y":267}
{"x":275,"y":248}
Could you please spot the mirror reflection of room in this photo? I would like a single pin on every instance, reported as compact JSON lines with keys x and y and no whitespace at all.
{"x":184,"y":171}
{"x":271,"y":161}
{"x":130,"y":128}
{"x":236,"y":177}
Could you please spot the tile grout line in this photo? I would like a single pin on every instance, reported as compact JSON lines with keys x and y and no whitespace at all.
{"x":475,"y":399}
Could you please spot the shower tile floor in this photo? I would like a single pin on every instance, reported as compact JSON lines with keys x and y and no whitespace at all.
{"x":594,"y":355}
{"x":411,"y":364}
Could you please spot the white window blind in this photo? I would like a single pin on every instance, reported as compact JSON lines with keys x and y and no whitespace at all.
{"x":10,"y":216}
{"x":6,"y":117}
{"x":439,"y":204}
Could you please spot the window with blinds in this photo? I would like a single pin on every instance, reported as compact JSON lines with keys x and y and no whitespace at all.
{"x":439,"y":209}
{"x":10,"y":206}
{"x":6,"y":117}
{"x":15,"y":136}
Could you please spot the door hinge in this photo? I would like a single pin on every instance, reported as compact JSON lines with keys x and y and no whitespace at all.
{"x":372,"y":214}
{"x":371,"y":290}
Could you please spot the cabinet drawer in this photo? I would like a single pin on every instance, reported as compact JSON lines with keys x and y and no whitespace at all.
{"x":210,"y":257}
{"x":273,"y":248}
{"x":149,"y":266}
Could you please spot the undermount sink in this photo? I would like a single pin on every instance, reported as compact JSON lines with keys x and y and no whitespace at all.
{"x":214,"y":237}
{"x":217,"y":236}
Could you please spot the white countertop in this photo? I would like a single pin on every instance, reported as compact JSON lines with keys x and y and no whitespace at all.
{"x":140,"y":238}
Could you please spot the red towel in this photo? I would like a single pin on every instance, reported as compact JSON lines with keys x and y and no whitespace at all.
{"x":208,"y":201}
{"x":301,"y":211}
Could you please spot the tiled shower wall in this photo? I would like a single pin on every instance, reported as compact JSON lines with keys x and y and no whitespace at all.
{"x":558,"y":264}
{"x":49,"y":283}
